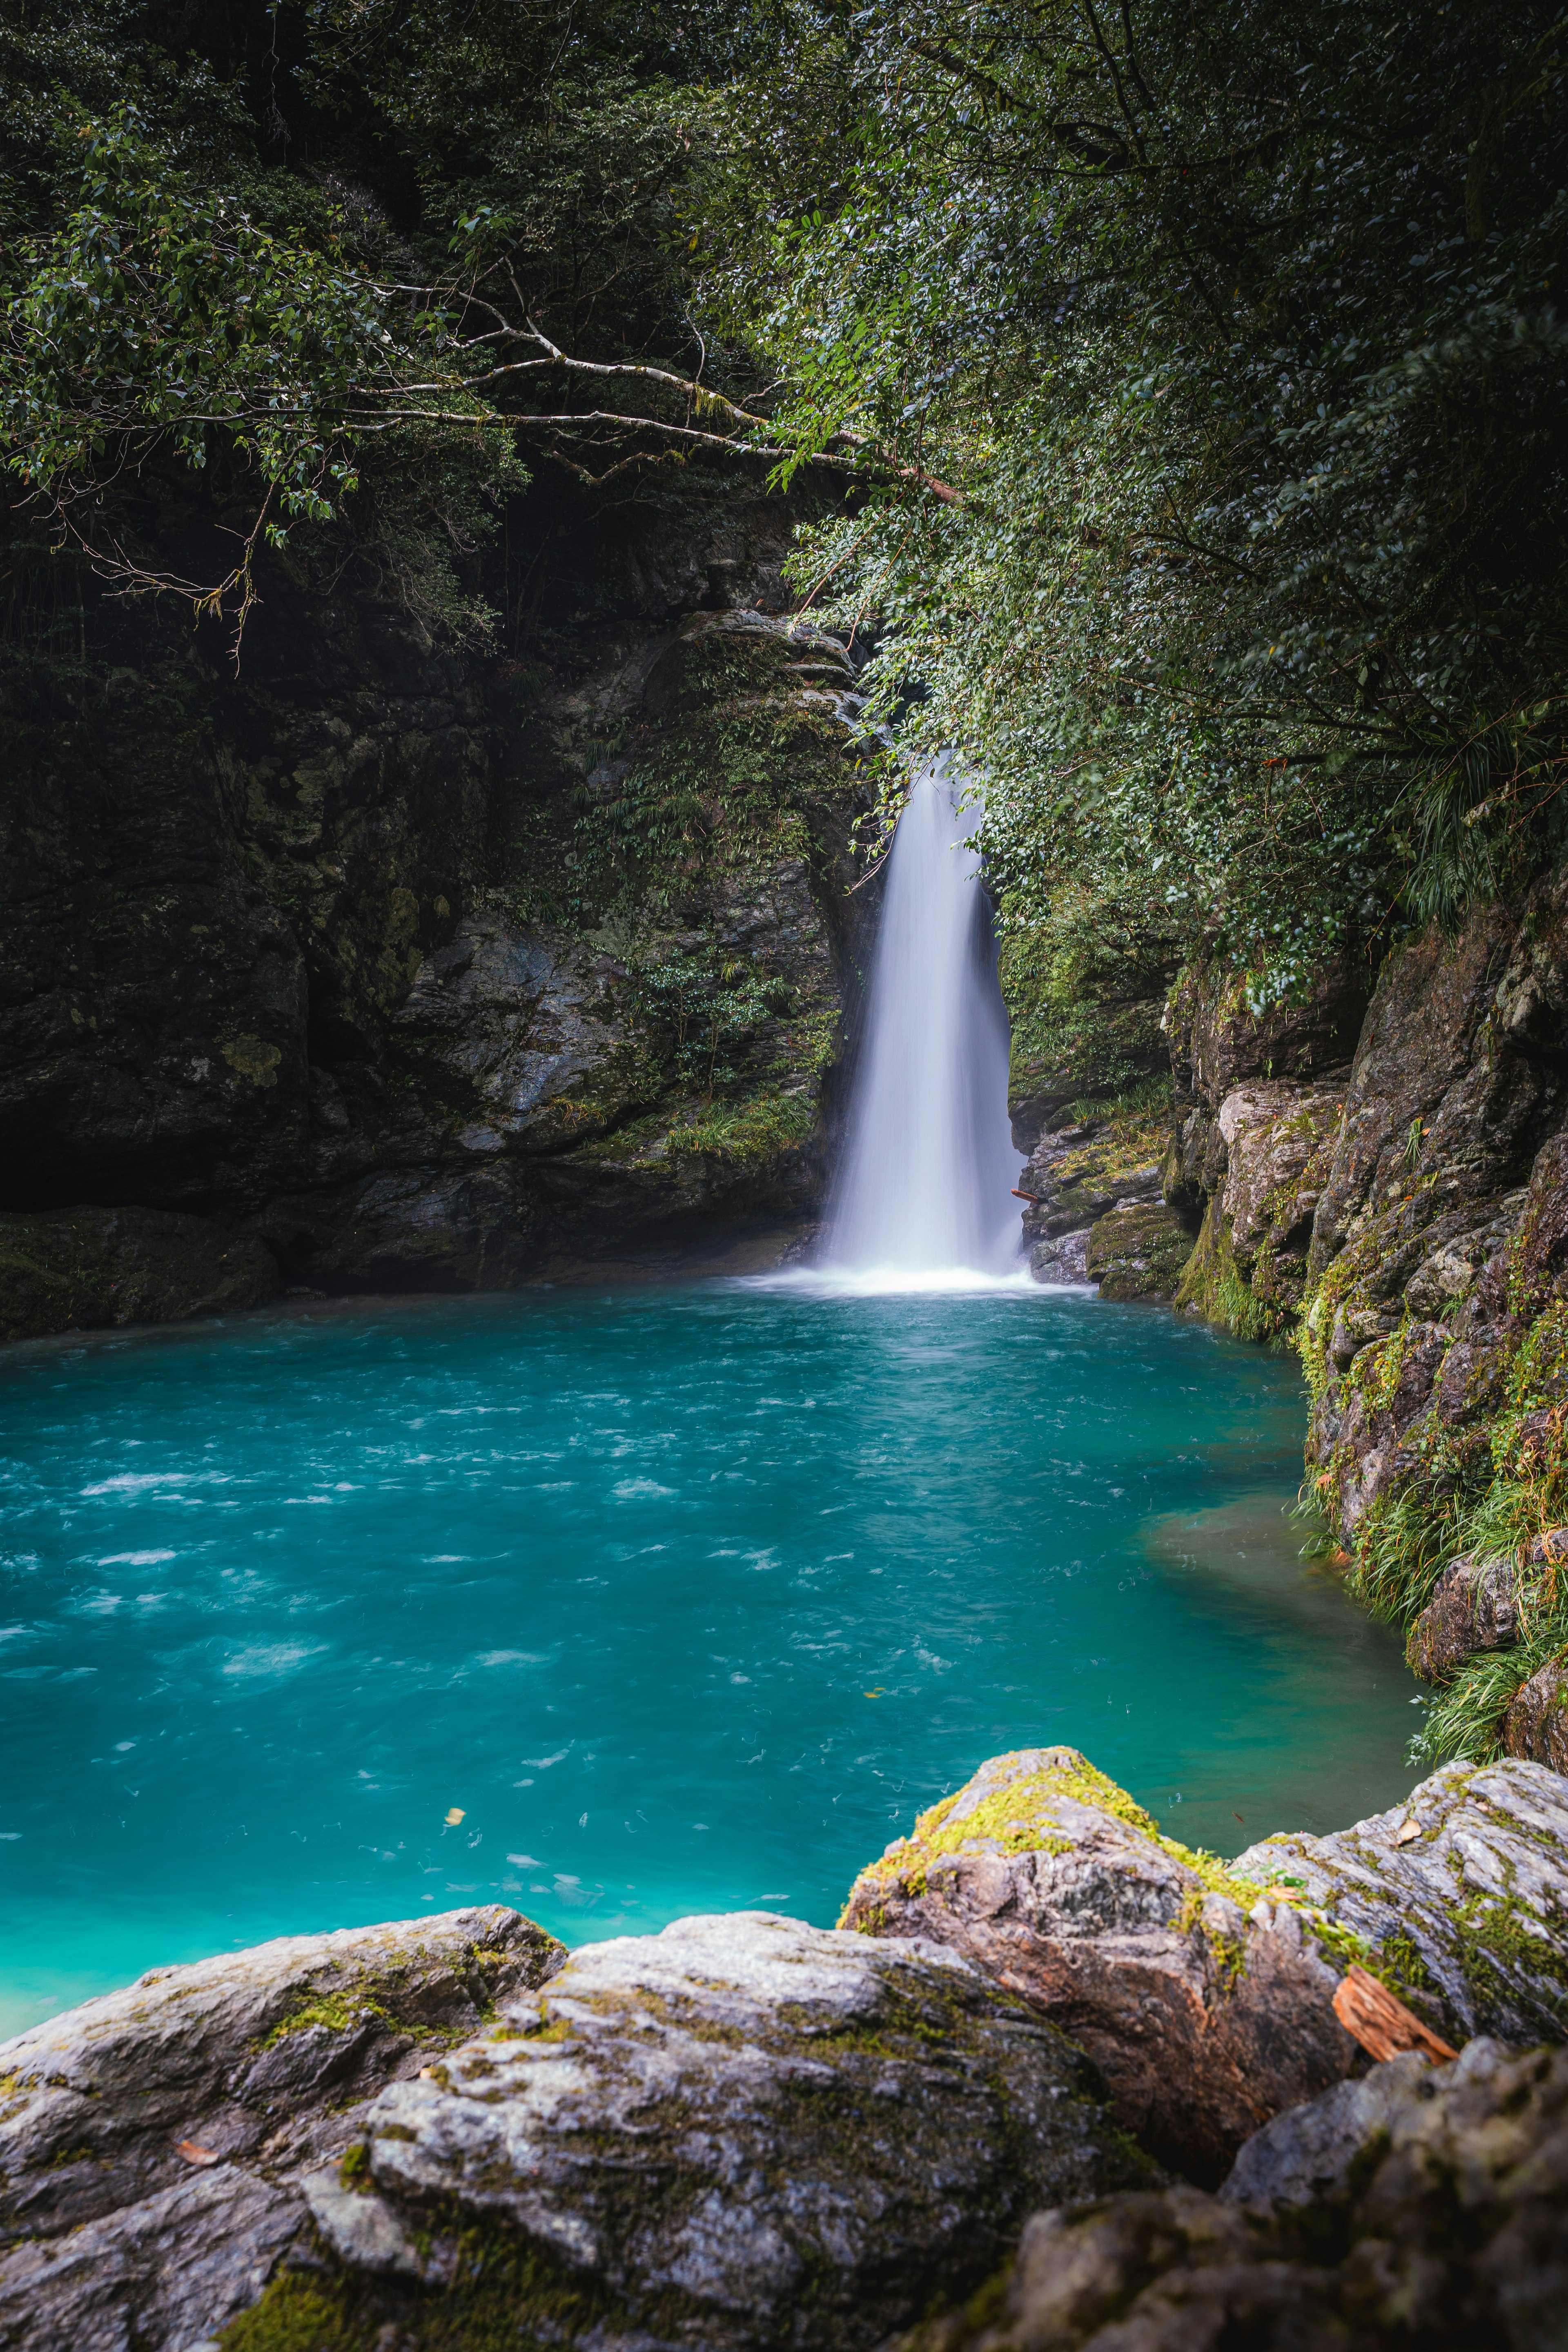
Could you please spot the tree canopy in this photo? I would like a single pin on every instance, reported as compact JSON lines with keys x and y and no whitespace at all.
{"x":1194,"y":377}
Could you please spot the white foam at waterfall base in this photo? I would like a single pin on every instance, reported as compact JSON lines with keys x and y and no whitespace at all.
{"x":923,"y":1199}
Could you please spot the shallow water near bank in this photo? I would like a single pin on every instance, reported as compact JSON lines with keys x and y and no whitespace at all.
{"x":622,"y":1603}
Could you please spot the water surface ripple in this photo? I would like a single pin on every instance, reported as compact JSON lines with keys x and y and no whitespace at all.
{"x":622,"y":1603}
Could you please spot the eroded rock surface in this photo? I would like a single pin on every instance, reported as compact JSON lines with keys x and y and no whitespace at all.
{"x":1205,"y":2001}
{"x":1536,"y":1725}
{"x":153,"y":2143}
{"x":1475,"y":1607}
{"x":1260,"y":1162}
{"x":1417,"y":2208}
{"x":1094,"y":1211}
{"x":1463,"y":1889}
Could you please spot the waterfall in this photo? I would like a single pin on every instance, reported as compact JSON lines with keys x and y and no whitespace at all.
{"x":925,"y":1184}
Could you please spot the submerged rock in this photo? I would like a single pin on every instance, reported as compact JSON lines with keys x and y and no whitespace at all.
{"x":151,"y":2143}
{"x":83,"y":1269}
{"x":1205,"y":2001}
{"x":1463,"y":1889}
{"x":1418,"y":2207}
{"x":741,"y":2132}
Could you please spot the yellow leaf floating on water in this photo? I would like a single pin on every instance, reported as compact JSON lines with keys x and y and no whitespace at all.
{"x":454,"y":1815}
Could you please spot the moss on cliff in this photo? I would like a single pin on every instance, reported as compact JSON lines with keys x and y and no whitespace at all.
{"x":1213,"y":1285}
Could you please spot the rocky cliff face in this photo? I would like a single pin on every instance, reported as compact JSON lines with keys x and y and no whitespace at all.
{"x":1389,"y":1189}
{"x":430,"y":969}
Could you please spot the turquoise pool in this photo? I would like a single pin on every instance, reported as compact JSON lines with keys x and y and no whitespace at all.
{"x":619,"y":1603}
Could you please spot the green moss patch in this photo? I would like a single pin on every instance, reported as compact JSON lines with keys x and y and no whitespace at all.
{"x":1021,"y":1816}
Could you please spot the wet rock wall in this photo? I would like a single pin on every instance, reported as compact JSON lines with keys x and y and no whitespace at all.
{"x":429,"y":967}
{"x":1381,"y":1177}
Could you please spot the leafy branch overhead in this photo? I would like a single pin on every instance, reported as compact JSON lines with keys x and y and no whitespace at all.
{"x":1239,"y":329}
{"x":1185,"y":384}
{"x":162,"y":308}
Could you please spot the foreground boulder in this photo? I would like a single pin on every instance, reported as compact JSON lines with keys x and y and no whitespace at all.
{"x":1418,"y":2207}
{"x":1463,"y":1890}
{"x":151,"y":2143}
{"x":1206,"y":2002}
{"x":85,"y":1269}
{"x":743,"y":2132}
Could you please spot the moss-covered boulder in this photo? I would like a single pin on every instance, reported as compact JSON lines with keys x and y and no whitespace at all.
{"x":83,"y":1269}
{"x":1203,"y":1995}
{"x":744,"y":2132}
{"x":1105,"y":1160}
{"x":1462,"y":1889}
{"x":151,"y":2142}
{"x":1138,"y":1251}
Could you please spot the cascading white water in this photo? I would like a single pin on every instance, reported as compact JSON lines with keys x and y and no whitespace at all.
{"x":925,"y":1184}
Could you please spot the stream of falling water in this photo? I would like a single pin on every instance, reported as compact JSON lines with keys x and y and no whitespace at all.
{"x":924,"y":1186}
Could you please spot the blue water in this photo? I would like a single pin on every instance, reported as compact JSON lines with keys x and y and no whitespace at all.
{"x":622,"y":1603}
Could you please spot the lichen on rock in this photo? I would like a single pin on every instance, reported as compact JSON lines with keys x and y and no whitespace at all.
{"x":154,"y":2142}
{"x":743,"y":2132}
{"x":1203,"y":1994}
{"x":1462,"y":1889}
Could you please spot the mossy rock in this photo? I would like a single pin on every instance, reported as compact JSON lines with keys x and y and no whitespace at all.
{"x":87,"y":1269}
{"x":1139,"y":1251}
{"x":743,"y":2132}
{"x":1205,"y":1999}
{"x":1464,"y":1890}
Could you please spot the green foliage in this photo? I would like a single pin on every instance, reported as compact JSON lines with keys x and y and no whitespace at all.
{"x":1466,"y":1721}
{"x":1235,"y":331}
{"x":267,"y":244}
{"x":156,"y":309}
{"x":709,"y":1005}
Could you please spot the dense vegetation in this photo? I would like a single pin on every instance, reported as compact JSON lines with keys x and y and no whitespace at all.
{"x":1196,"y":376}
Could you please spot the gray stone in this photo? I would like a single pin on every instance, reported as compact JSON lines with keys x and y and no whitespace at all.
{"x":1475,"y":1606}
{"x":1206,"y":2005}
{"x":1307,"y":2153}
{"x":743,"y":2132}
{"x":1464,"y":1887}
{"x":1421,"y":2207}
{"x":151,"y":2142}
{"x":1536,"y":1724}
